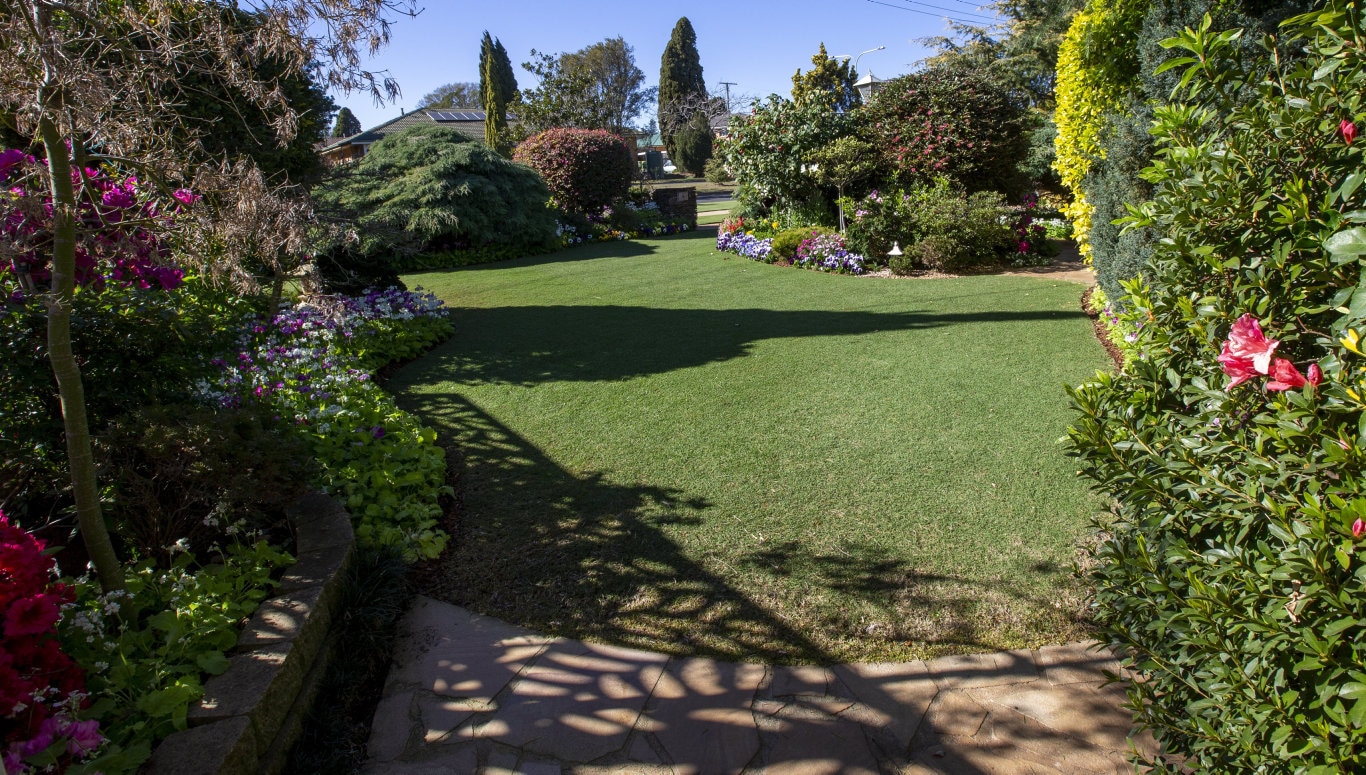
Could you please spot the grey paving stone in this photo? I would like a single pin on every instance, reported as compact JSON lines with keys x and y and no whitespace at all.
{"x":784,"y":681}
{"x":579,"y":702}
{"x":1078,"y":711}
{"x":892,"y":697}
{"x":391,"y":728}
{"x":700,"y":714}
{"x":967,"y":671}
{"x":953,"y":714}
{"x":818,"y":747}
{"x":1076,"y":663}
{"x":451,"y":652}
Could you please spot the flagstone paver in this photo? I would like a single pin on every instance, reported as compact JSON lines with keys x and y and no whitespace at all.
{"x":470,"y":694}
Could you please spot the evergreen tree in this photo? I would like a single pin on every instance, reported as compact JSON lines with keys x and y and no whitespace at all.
{"x":829,"y":82}
{"x":682,"y":91}
{"x":693,"y":145}
{"x":497,"y":89}
{"x":347,"y":124}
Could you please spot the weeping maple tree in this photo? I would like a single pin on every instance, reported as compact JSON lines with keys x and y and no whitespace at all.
{"x":96,"y":85}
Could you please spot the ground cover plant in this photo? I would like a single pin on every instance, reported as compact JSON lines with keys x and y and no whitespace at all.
{"x":668,"y":447}
{"x":1231,"y":573}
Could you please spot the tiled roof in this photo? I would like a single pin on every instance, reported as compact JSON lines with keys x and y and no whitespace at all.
{"x":473,"y":127}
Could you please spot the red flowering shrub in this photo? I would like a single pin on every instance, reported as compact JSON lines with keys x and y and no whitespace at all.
{"x":40,"y":686}
{"x":950,"y":121}
{"x":585,"y":169}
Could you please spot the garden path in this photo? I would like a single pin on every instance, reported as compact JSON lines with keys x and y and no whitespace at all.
{"x":471,"y":694}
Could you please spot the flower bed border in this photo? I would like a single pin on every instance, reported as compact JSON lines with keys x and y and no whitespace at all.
{"x":251,"y":715}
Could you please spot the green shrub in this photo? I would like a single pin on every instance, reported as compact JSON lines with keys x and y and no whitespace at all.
{"x":715,"y":171}
{"x":953,"y":120}
{"x":937,"y":227}
{"x":692,"y":145}
{"x":136,"y":347}
{"x":585,"y":169}
{"x":427,"y":189}
{"x":199,"y":474}
{"x":1232,"y":571}
{"x":786,"y":242}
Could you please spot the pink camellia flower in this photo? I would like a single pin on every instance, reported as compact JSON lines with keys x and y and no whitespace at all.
{"x":1247,"y":352}
{"x":1348,"y":130}
{"x":1358,"y":528}
{"x":1284,"y":376}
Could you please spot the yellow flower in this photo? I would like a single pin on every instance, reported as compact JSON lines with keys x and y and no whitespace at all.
{"x":775,"y":224}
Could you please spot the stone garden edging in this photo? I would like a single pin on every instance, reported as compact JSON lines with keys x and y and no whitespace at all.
{"x":252,"y":714}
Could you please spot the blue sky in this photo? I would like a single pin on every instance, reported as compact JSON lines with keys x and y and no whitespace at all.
{"x":757,"y":44}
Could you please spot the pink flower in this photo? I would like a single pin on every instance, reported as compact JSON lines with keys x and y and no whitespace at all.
{"x":1348,"y":130}
{"x":185,"y":196}
{"x":1247,"y":352}
{"x":85,"y":738}
{"x":1284,"y":376}
{"x":1358,"y":528}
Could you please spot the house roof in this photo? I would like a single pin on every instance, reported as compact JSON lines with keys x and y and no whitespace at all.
{"x":469,"y":121}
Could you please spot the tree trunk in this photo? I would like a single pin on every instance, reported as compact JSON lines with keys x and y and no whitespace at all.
{"x":79,"y":451}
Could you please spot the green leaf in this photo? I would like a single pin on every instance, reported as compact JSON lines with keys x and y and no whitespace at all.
{"x":212,"y":662}
{"x":1349,"y":243}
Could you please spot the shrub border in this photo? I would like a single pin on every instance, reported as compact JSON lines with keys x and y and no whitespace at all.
{"x":251,"y":715}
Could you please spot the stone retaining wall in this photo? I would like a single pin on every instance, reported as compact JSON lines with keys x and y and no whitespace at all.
{"x":251,"y":715}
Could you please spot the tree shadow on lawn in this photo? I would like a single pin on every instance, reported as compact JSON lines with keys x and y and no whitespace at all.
{"x":535,"y":344}
{"x":579,"y":556}
{"x":881,"y":598}
{"x":584,"y":252}
{"x":582,"y":557}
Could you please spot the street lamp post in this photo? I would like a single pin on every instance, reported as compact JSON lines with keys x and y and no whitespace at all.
{"x":867,"y":85}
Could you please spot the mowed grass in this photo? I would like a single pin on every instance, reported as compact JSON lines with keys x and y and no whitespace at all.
{"x":670,"y":448}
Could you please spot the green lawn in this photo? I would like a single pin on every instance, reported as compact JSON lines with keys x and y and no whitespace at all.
{"x":677,"y":449}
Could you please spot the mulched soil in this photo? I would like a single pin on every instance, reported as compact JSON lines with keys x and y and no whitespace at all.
{"x":1099,"y":325}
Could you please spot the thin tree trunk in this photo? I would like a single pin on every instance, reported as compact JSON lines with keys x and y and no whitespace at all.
{"x":79,"y":451}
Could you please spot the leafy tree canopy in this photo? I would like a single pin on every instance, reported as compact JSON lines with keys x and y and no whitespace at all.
{"x":597,"y":87}
{"x":829,"y":82}
{"x":452,"y":95}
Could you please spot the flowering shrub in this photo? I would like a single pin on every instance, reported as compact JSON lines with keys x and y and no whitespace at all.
{"x":585,"y":169}
{"x":1231,"y":572}
{"x":767,"y":152}
{"x":306,"y":364}
{"x":827,"y":253}
{"x":41,"y":688}
{"x":937,"y":227}
{"x":1030,"y":245}
{"x":119,"y":225}
{"x":625,"y":219}
{"x":744,"y":244}
{"x":956,"y":121}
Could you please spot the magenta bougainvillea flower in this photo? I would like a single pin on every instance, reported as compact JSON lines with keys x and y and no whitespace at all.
{"x":1348,"y":130}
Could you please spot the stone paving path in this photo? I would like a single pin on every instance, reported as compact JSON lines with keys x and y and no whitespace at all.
{"x":470,"y":694}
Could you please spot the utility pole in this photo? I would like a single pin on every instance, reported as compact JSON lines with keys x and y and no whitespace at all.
{"x":728,"y":84}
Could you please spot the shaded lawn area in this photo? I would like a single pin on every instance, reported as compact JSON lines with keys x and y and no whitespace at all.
{"x":671,"y":448}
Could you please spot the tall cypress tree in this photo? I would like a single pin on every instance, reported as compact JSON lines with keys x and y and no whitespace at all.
{"x":682,"y":92}
{"x":497,"y":89}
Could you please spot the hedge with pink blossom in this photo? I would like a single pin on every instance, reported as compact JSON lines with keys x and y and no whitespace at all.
{"x":1233,"y":442}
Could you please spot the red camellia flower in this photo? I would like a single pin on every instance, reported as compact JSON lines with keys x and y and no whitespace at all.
{"x":1348,"y":130}
{"x":1358,"y":528}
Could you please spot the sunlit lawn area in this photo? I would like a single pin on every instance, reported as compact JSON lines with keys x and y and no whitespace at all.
{"x":672,"y":448}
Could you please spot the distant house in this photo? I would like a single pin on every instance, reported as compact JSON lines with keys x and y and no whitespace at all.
{"x":341,"y":150}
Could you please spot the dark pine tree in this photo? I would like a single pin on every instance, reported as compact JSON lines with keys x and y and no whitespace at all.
{"x":347,"y":124}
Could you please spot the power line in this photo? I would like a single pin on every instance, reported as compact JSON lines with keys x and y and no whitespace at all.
{"x":979,"y":19}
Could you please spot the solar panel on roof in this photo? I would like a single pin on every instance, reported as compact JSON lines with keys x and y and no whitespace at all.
{"x":456,"y":115}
